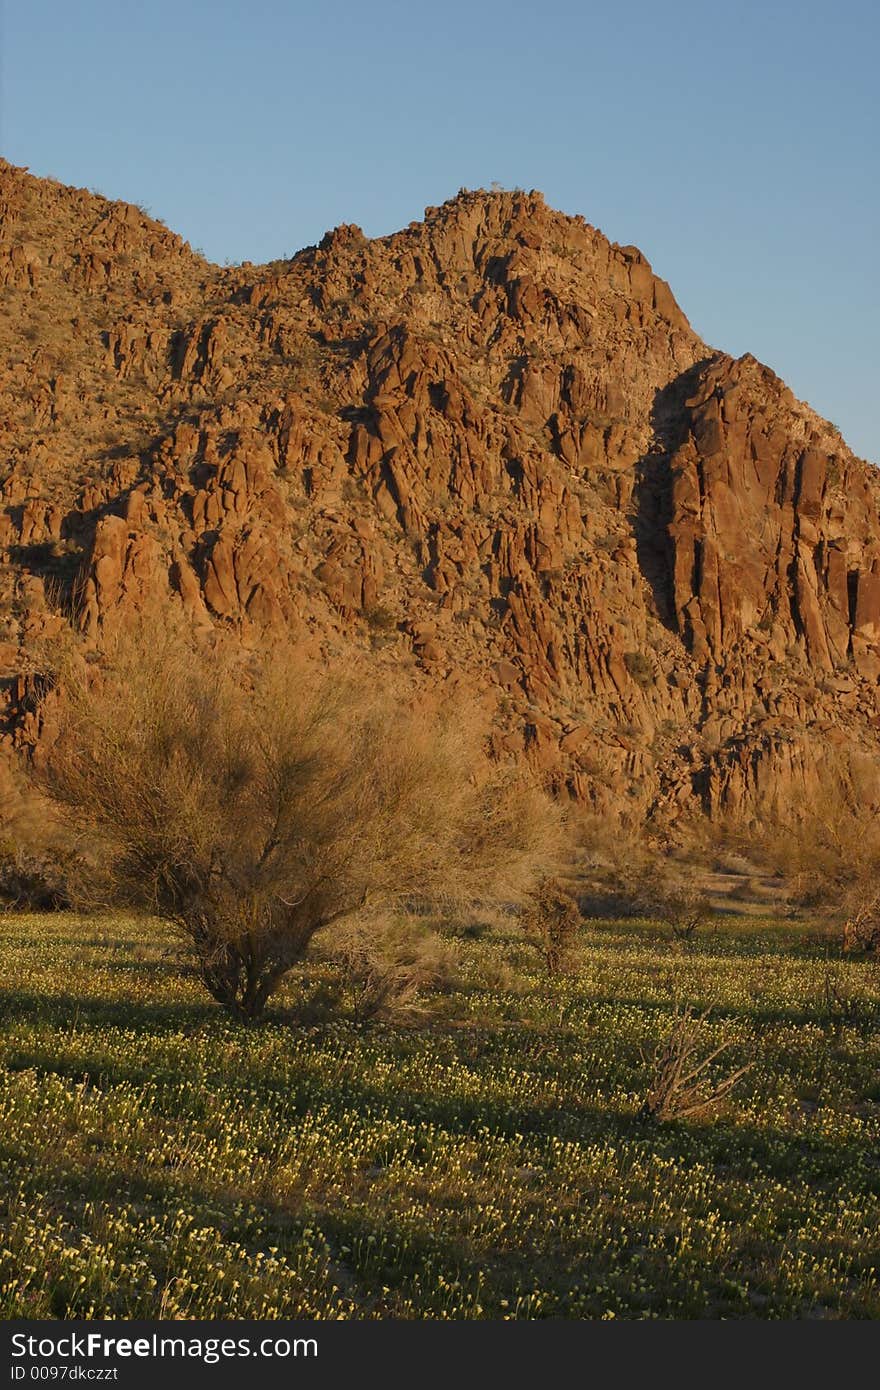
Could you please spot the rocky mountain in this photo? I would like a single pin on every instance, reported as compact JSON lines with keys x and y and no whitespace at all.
{"x":487,"y":451}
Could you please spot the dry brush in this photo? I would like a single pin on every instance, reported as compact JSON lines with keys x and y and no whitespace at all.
{"x":253,"y":805}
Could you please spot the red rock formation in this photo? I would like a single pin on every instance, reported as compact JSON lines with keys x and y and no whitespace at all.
{"x":486,"y":450}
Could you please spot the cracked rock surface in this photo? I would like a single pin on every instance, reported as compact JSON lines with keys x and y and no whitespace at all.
{"x":487,"y":452}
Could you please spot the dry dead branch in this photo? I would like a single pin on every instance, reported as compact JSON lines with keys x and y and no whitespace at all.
{"x":682,"y":1085}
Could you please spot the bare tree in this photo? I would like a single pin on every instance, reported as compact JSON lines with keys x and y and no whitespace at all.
{"x":681,"y":1084}
{"x":252,"y":806}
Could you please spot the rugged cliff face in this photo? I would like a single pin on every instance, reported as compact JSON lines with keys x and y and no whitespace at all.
{"x":488,"y":451}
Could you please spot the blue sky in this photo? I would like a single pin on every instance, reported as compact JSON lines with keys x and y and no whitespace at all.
{"x":736,"y":144}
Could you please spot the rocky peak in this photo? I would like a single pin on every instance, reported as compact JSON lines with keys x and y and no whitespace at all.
{"x":485,"y":450}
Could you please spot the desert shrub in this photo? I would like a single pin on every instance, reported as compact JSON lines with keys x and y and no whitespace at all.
{"x":33,"y":880}
{"x":35,"y":857}
{"x":499,"y":976}
{"x":385,"y":974}
{"x":861,"y":927}
{"x":612,"y":859}
{"x":746,"y":890}
{"x":681,"y":1085}
{"x":381,"y":618}
{"x":638,"y":664}
{"x":551,"y":920}
{"x":824,"y":853}
{"x":828,"y":855}
{"x":471,"y":921}
{"x":252,"y":806}
{"x":670,"y":893}
{"x":684,"y":906}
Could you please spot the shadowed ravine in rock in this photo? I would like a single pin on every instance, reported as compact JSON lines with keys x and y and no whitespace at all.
{"x":653,"y":496}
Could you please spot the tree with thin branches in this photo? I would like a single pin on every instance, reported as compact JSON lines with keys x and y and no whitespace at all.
{"x":252,"y":804}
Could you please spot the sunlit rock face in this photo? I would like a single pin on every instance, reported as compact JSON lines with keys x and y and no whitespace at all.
{"x":485,"y":452}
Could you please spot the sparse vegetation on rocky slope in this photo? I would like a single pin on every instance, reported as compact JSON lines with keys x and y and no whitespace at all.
{"x":486,"y":452}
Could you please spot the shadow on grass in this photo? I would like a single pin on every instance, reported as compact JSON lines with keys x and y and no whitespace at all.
{"x":379,"y":1260}
{"x":758,"y":1015}
{"x":734,"y":1151}
{"x":719,"y":942}
{"x":46,"y":942}
{"x":374,"y":1254}
{"x":372,"y":1260}
{"x":64,"y":1010}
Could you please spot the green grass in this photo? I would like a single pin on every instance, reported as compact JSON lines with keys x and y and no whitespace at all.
{"x":157,"y":1159}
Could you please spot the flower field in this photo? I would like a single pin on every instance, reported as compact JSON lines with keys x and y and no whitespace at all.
{"x":157,"y":1159}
